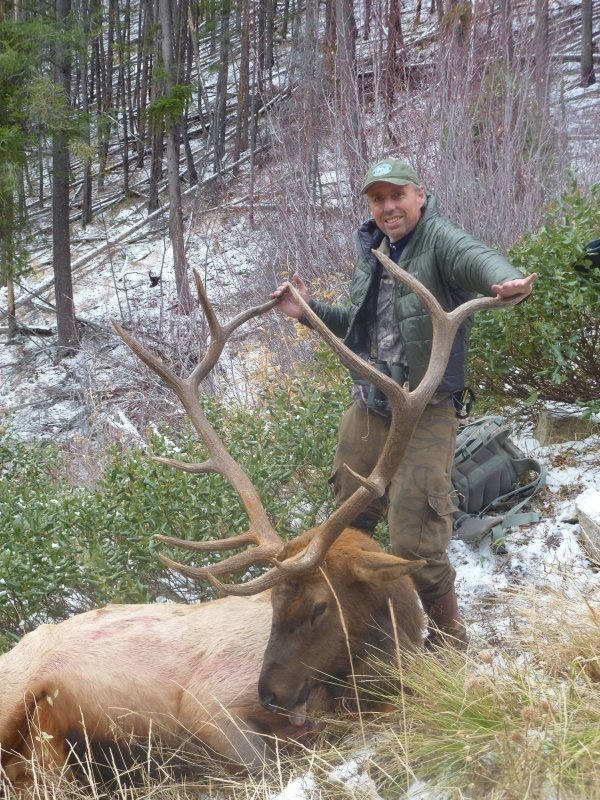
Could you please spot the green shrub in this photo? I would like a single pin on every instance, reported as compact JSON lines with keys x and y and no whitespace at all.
{"x":549,"y":346}
{"x":64,"y":549}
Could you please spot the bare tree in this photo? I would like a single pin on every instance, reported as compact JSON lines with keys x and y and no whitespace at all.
{"x":395,"y":49}
{"x":243,"y":106}
{"x":588,"y":76}
{"x":61,"y":236}
{"x":104,"y":87}
{"x":541,"y":50}
{"x":143,"y":74}
{"x":157,"y":138}
{"x":85,"y":64}
{"x":348,"y":100}
{"x":173,"y":132}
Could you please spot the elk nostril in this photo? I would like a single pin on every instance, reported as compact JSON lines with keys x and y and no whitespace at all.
{"x":268,"y":701}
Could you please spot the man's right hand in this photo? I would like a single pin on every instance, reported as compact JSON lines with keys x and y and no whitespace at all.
{"x":287,"y":304}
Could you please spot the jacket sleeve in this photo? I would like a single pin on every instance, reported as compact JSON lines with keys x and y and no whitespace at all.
{"x":471,"y":265}
{"x":334,"y":316}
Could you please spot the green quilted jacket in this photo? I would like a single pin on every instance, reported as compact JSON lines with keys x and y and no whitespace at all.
{"x":451,"y":264}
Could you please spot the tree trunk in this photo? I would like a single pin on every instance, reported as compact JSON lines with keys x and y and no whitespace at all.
{"x":220,"y":112}
{"x":395,"y":41}
{"x":368,"y":13}
{"x":86,"y":65}
{"x":8,"y":240}
{"x":40,"y":157}
{"x":587,"y":44}
{"x":156,"y":144}
{"x":143,"y":79}
{"x":269,"y":36}
{"x":123,"y":98}
{"x":350,"y":113}
{"x":105,"y":89}
{"x":243,"y":105}
{"x":61,"y":240}
{"x":175,"y":211}
{"x":202,"y":93}
{"x":507,"y":33}
{"x":11,"y":307}
{"x":541,"y":54}
{"x":285,"y":19}
{"x":192,"y":173}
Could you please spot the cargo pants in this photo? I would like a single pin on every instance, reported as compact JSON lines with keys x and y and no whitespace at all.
{"x":417,"y":502}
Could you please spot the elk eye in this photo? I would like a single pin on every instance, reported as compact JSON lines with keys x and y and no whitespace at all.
{"x":317,"y":611}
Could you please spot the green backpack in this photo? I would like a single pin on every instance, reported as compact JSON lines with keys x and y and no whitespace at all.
{"x":491,"y":474}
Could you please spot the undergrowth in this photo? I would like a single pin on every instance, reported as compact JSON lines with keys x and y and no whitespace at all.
{"x":66,"y":548}
{"x":548,"y":347}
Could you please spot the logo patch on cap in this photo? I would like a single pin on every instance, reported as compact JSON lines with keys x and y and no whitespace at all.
{"x":381,"y":169}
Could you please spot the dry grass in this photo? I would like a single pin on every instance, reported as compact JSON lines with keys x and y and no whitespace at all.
{"x":521,"y":723}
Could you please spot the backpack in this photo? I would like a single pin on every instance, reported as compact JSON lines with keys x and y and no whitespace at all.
{"x":591,"y":252}
{"x":486,"y":476}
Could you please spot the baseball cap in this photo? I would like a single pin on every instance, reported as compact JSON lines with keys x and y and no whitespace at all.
{"x":391,"y":170}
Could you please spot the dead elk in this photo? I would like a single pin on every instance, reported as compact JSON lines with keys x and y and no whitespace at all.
{"x":237,"y":672}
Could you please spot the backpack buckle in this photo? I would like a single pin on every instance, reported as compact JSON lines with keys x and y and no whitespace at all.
{"x":463,"y":402}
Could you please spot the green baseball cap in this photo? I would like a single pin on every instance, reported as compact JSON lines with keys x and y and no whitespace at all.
{"x":391,"y":170}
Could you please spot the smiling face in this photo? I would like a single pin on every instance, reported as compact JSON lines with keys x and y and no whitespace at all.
{"x":395,"y":209}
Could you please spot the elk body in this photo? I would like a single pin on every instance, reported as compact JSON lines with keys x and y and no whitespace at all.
{"x":120,"y":671}
{"x":259,"y":663}
{"x":190,"y":673}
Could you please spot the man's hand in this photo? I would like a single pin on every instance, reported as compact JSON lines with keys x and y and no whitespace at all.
{"x":287,"y":304}
{"x":519,"y":286}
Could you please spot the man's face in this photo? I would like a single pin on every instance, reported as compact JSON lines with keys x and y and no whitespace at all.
{"x":395,"y":209}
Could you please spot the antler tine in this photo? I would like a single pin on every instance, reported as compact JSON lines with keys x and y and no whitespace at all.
{"x":445,"y":323}
{"x":251,"y":587}
{"x":406,"y":407}
{"x":261,"y":532}
{"x":219,"y":334}
{"x":260,"y":554}
{"x":211,"y":546}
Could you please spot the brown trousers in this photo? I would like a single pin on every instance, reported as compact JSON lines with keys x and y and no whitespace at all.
{"x":417,"y":502}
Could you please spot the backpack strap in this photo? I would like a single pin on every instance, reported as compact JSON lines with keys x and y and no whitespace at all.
{"x":526,"y":492}
{"x":514,"y":517}
{"x":472,"y":442}
{"x":475,"y":528}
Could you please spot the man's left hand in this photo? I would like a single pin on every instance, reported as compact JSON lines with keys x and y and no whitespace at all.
{"x":522,"y":286}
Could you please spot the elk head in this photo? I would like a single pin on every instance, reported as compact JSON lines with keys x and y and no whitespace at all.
{"x":336,"y":595}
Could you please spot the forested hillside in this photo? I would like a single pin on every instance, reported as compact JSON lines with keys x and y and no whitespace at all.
{"x":276,"y":109}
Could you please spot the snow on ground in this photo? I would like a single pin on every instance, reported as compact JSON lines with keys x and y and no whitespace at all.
{"x":41,"y":398}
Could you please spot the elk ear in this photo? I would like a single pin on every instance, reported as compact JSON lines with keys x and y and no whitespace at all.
{"x":381,"y":567}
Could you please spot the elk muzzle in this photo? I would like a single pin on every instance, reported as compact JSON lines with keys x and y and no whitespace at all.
{"x":281,"y":693}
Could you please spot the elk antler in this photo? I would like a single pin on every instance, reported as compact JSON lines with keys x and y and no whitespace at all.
{"x":260,"y":532}
{"x":406,"y":406}
{"x":406,"y":409}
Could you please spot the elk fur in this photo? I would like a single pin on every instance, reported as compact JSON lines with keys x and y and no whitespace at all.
{"x":185,"y":671}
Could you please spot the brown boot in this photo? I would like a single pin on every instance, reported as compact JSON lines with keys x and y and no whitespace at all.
{"x":446,"y":625}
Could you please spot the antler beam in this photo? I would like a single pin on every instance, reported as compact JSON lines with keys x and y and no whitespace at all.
{"x":406,"y":409}
{"x":260,"y":532}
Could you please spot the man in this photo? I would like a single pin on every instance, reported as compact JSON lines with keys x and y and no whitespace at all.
{"x":387,"y":324}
